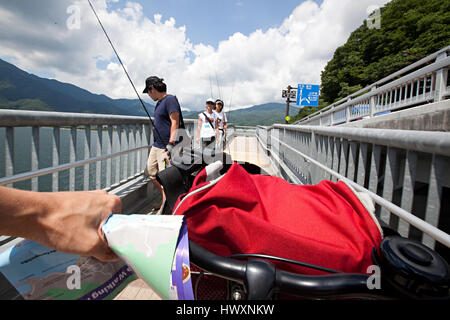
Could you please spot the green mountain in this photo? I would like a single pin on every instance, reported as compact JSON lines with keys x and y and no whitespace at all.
{"x":410,"y":30}
{"x":264,"y":114}
{"x":20,"y":90}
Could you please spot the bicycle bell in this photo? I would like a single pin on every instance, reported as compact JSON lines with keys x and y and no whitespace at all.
{"x":414,"y":269}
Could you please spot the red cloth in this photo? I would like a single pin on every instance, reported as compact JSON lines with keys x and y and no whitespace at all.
{"x":323,"y":224}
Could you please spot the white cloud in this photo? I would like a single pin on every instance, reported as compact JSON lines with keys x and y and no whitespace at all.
{"x":259,"y":65}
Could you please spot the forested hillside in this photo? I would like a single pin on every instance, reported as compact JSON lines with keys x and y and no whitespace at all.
{"x":20,"y":90}
{"x":410,"y":30}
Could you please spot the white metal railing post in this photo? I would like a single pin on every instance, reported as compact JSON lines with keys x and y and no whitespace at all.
{"x":126,"y":141}
{"x":87,"y":155}
{"x":409,"y":182}
{"x":138,"y":142}
{"x":72,"y":156}
{"x":313,"y":171}
{"x":35,"y":156}
{"x":373,"y":102}
{"x":98,"y":153}
{"x":9,"y":152}
{"x":132,"y":144}
{"x":441,"y":81}
{"x":434,"y":197}
{"x":332,"y":116}
{"x":275,"y":135}
{"x":109,"y":146}
{"x":56,"y":156}
{"x":363,"y":164}
{"x":146,"y":138}
{"x":118,"y":160}
{"x":390,"y":173}
{"x":348,"y":113}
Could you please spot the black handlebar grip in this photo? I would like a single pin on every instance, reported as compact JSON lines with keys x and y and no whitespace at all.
{"x":325,"y":285}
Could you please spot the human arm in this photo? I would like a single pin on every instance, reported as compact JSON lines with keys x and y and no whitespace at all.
{"x":216,"y":125}
{"x":199,"y":127}
{"x":175,"y":123}
{"x":173,"y":110}
{"x":69,"y":222}
{"x":225,"y":123}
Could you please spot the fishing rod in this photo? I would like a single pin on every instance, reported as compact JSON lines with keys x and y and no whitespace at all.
{"x":218,"y":86}
{"x":124,"y":69}
{"x":231,"y":98}
{"x":210,"y":85}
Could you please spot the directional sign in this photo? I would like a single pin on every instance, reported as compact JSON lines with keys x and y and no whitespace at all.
{"x":308,"y":95}
{"x":291,"y":94}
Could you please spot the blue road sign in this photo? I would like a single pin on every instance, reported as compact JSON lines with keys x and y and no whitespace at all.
{"x":308,"y":95}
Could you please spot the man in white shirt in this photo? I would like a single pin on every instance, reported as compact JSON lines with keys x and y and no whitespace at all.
{"x":206,"y":126}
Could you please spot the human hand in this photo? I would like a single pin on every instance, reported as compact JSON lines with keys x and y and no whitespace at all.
{"x":169,"y":149}
{"x":71,"y":222}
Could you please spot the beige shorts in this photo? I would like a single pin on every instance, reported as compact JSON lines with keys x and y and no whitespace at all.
{"x":157,"y":161}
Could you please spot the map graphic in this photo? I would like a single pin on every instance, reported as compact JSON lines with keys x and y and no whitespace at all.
{"x":39,"y":273}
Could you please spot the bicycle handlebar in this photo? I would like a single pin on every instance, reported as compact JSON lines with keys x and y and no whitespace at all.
{"x":262,"y":278}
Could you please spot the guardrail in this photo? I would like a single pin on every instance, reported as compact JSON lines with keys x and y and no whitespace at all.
{"x":407,"y":173}
{"x":422,"y":82}
{"x":245,"y":131}
{"x":109,"y":150}
{"x":55,"y":151}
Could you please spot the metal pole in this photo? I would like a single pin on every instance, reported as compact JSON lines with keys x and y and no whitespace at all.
{"x":288,"y":101}
{"x":287,"y":110}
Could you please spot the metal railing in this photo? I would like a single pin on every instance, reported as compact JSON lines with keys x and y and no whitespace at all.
{"x":406,"y":173}
{"x":55,"y":151}
{"x":422,"y":82}
{"x":246,"y":131}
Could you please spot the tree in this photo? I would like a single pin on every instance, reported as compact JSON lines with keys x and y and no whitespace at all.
{"x":410,"y":30}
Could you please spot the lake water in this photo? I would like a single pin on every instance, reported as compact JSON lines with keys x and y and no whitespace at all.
{"x":120,"y":166}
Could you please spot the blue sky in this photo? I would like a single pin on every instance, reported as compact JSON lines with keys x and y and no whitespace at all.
{"x":209,"y":21}
{"x":245,"y":51}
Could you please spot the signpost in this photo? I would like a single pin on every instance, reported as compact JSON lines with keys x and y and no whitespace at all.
{"x":290,"y":96}
{"x":306,"y":95}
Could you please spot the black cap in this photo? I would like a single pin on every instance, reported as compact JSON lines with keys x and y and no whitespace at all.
{"x":151,"y":81}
